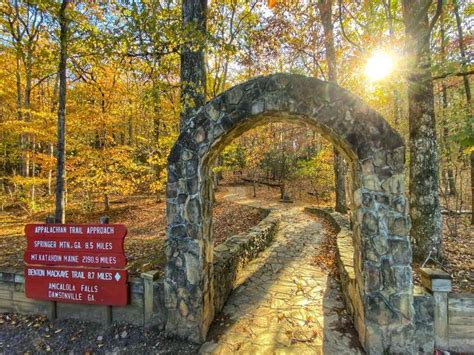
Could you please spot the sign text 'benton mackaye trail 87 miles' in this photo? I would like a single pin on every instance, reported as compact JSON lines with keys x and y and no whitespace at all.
{"x":76,"y":263}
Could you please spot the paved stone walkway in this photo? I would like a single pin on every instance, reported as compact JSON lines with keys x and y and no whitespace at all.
{"x":283,"y":304}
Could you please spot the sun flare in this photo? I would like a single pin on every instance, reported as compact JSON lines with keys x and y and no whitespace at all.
{"x":379,"y":66}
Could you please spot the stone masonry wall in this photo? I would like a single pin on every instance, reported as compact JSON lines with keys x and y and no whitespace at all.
{"x":236,"y":252}
{"x":423,"y":301}
{"x":13,"y":299}
{"x":345,"y":261}
{"x":461,"y":322}
{"x":379,"y":215}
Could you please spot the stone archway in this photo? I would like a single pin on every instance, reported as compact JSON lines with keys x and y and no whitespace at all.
{"x":382,"y":252}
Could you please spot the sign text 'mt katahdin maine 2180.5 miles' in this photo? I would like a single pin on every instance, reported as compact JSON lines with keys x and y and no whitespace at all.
{"x":76,"y":263}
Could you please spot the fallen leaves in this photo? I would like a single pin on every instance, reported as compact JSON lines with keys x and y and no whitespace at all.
{"x":300,"y":337}
{"x":326,"y":256}
{"x":231,"y":219}
{"x":458,"y":254}
{"x":145,"y":219}
{"x":74,"y":336}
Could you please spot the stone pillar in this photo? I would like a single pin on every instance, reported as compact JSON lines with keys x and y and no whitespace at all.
{"x":382,"y":255}
{"x":189,"y":249}
{"x":439,"y":283}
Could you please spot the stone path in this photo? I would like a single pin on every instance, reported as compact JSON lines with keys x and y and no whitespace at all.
{"x":283,"y":304}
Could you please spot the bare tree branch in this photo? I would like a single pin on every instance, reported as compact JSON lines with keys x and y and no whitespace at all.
{"x":343,"y":30}
{"x":43,"y":79}
{"x":445,"y":75}
{"x":439,"y":9}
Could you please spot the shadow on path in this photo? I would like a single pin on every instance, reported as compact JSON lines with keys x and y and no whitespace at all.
{"x":282,"y":303}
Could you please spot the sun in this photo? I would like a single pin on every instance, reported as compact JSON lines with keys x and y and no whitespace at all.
{"x":379,"y":66}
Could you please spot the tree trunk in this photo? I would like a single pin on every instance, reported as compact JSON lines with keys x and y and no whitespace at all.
{"x":282,"y":189}
{"x":424,"y":180}
{"x":106,"y":203}
{"x":254,"y":183}
{"x":130,"y":131}
{"x":467,"y":91}
{"x":451,"y":182}
{"x":156,"y":134}
{"x":193,"y":66}
{"x":325,"y":11}
{"x":60,"y":213}
{"x":50,"y":171}
{"x":28,"y":64}
{"x":17,"y":37}
{"x":54,"y":102}
{"x":339,"y":173}
{"x":33,"y":167}
{"x":18,"y":83}
{"x":462,"y":50}
{"x":156,"y":116}
{"x":472,"y":186}
{"x":396,"y":107}
{"x":396,"y":94}
{"x":28,"y":68}
{"x":19,"y":105}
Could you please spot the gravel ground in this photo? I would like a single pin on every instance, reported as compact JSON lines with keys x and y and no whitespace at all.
{"x":37,"y":335}
{"x":20,"y":334}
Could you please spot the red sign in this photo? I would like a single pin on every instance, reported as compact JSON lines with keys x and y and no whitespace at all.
{"x":77,"y":244}
{"x":75,"y":238}
{"x":75,"y":259}
{"x":77,"y":285}
{"x":81,"y":230}
{"x":83,"y":246}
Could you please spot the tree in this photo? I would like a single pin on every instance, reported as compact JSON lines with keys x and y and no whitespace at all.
{"x":228,"y":23}
{"x":193,"y":66}
{"x":424,"y":180}
{"x":122,"y":95}
{"x":24,"y":22}
{"x":325,"y":11}
{"x":467,"y":92}
{"x":60,"y":213}
{"x":319,"y":172}
{"x":123,"y":92}
{"x":387,"y":4}
{"x":254,"y":157}
{"x":450,"y":187}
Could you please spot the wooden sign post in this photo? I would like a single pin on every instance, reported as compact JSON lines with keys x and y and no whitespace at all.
{"x":76,"y":263}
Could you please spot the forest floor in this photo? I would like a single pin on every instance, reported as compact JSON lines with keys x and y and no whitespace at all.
{"x":36,"y":334}
{"x":32,"y":334}
{"x":146,"y":223}
{"x":458,"y":253}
